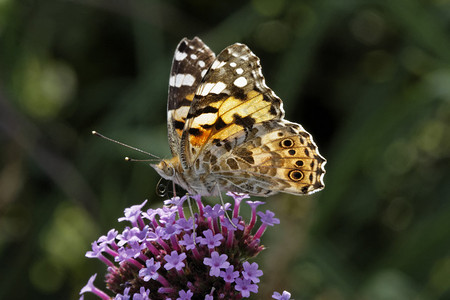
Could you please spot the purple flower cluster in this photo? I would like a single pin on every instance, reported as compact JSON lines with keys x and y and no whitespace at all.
{"x":165,"y":255}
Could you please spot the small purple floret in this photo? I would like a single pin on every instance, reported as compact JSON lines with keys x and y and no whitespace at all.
{"x":211,"y":240}
{"x":188,"y":241}
{"x":150,"y":272}
{"x":213,"y":212}
{"x":245,"y":286}
{"x":251,"y":271}
{"x":175,"y":260}
{"x":284,"y":296}
{"x":216,"y":262}
{"x":229,"y":275}
{"x":185,"y":295}
{"x":268,"y":218}
{"x":133,"y":213}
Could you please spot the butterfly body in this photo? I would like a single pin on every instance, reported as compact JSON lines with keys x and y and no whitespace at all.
{"x":227,"y":130}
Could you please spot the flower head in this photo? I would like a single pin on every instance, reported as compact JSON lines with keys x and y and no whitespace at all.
{"x":165,"y":255}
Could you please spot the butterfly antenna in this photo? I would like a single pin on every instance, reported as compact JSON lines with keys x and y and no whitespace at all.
{"x":140,"y":160}
{"x":125,"y":145}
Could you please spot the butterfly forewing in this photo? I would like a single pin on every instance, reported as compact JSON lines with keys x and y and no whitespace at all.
{"x":232,"y":98}
{"x":191,"y":60}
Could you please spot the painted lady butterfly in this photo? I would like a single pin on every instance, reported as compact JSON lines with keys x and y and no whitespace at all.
{"x":227,"y":130}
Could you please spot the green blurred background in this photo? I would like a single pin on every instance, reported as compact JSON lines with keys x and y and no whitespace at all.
{"x":369,"y":79}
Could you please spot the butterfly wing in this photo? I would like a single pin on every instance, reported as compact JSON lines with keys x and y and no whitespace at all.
{"x":277,"y":156}
{"x":191,"y":60}
{"x":231,"y":98}
{"x":235,"y":135}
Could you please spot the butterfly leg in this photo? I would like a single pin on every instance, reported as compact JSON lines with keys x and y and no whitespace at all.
{"x":174,"y":189}
{"x":223,"y":205}
{"x":193,"y":217}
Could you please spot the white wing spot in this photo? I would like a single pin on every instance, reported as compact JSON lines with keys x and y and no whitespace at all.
{"x":239,"y":71}
{"x":218,"y":87}
{"x":180,"y":55}
{"x":181,"y":79}
{"x":215,"y":88}
{"x":172,"y":81}
{"x":233,"y":64}
{"x":193,"y":56}
{"x":188,"y":80}
{"x":180,"y":113}
{"x":203,"y":73}
{"x":201,"y":63}
{"x":240,"y":82}
{"x":217,"y":64}
{"x":204,"y":89}
{"x":204,"y":119}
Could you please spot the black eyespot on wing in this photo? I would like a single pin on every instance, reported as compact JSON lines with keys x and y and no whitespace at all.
{"x":295,"y":175}
{"x":299,"y":163}
{"x":287,"y":143}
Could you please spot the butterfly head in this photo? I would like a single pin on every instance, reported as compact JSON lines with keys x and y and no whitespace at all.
{"x":165,"y":169}
{"x":171,"y":169}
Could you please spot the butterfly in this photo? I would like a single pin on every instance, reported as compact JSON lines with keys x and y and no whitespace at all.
{"x":227,"y":131}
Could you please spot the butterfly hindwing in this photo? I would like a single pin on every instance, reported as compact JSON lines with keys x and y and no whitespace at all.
{"x":191,"y":60}
{"x":276,"y":156}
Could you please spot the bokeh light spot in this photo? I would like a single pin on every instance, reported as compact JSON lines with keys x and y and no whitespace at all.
{"x":45,"y":86}
{"x":400,"y":157}
{"x":367,"y":27}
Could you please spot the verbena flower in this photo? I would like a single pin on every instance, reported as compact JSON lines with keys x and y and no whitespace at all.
{"x":284,"y":296}
{"x":164,"y":255}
